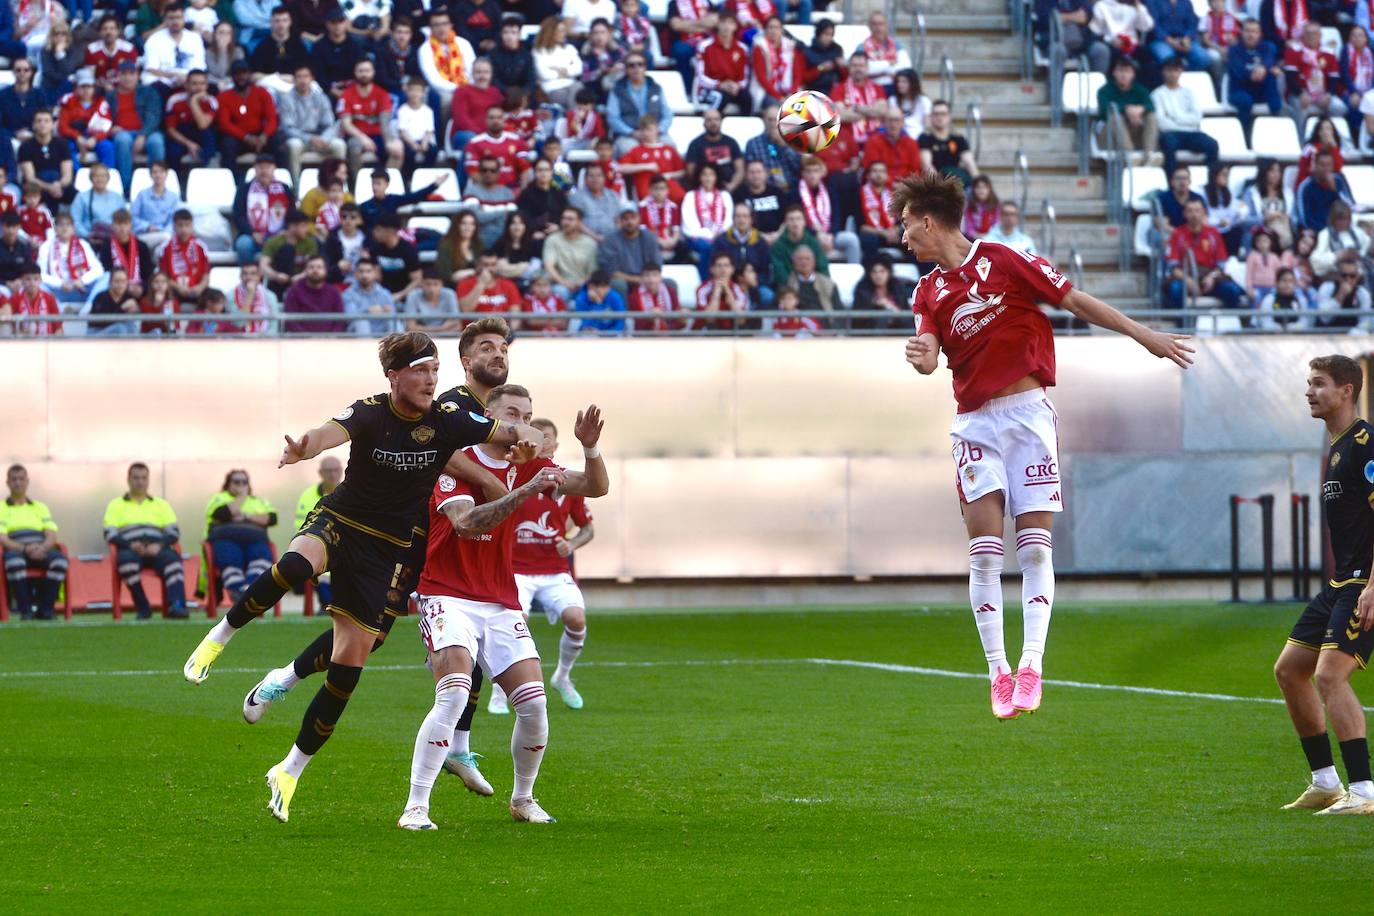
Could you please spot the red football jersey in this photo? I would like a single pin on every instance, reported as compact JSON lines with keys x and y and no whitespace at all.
{"x":178,"y":111}
{"x":506,"y":149}
{"x":986,"y":315}
{"x":500,"y":296}
{"x":479,"y":568}
{"x":369,"y":111}
{"x":540,"y":522}
{"x":42,"y":304}
{"x":665,"y":157}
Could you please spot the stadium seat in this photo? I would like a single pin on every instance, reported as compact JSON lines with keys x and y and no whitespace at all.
{"x":64,"y":599}
{"x":281,"y":174}
{"x":6,"y":77}
{"x":310,"y":180}
{"x":1361,"y":180}
{"x":803,"y":34}
{"x":846,"y":277}
{"x":687,"y":279}
{"x":1199,"y":82}
{"x":1230,"y":138}
{"x":362,"y":187}
{"x":1080,"y":92}
{"x":82,"y":181}
{"x":674,"y":92}
{"x":448,"y":190}
{"x":742,"y":129}
{"x":1331,"y":40}
{"x":225,"y":279}
{"x":1144,"y":223}
{"x":151,"y":580}
{"x":439,"y":224}
{"x":684,"y":130}
{"x":1342,"y":129}
{"x":1140,"y":182}
{"x":207,"y":187}
{"x":851,"y":37}
{"x":658,"y":10}
{"x":906,"y":271}
{"x":143,"y":179}
{"x":1276,"y":137}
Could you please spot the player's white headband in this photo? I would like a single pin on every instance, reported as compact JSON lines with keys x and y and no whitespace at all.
{"x":421,"y":361}
{"x":421,"y":351}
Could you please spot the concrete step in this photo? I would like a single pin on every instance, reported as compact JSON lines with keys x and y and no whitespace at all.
{"x":1071,"y":211}
{"x":967,"y":48}
{"x":1052,"y":162}
{"x":999,"y":92}
{"x":1055,"y":187}
{"x":1112,"y":286}
{"x":1035,"y":141}
{"x":1077,"y":235}
{"x":944,"y":8}
{"x":1017,"y":114}
{"x":1007,"y":67}
{"x":963,"y":23}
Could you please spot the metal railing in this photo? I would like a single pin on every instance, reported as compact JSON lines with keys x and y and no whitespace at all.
{"x":973,"y":129}
{"x":947,"y":79}
{"x":1048,"y":229}
{"x":1076,"y":268}
{"x":1026,"y":20}
{"x":918,"y":39}
{"x":1085,"y":118}
{"x":1020,"y":179}
{"x":1058,"y":56}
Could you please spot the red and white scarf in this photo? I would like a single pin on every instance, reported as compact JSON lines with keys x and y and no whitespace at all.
{"x":868,"y":95}
{"x":186,"y":258}
{"x":711,"y":213}
{"x":74,"y":260}
{"x":1311,"y":71}
{"x":635,"y":30}
{"x":267,"y":206}
{"x":646,"y":301}
{"x":885,"y":51}
{"x":329,"y":217}
{"x":1359,"y":68}
{"x":1289,"y":18}
{"x":693,"y":11}
{"x":589,"y":129}
{"x":781,"y":60}
{"x":129,"y":260}
{"x":875,"y":207}
{"x":252,"y":305}
{"x":817,"y":206}
{"x":658,"y":217}
{"x":41,"y":304}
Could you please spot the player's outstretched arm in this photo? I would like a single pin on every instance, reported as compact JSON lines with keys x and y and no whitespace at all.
{"x":923,"y":352}
{"x":583,"y":537}
{"x":471,"y":520}
{"x":319,"y":439}
{"x":1163,"y":344}
{"x":522,"y":437}
{"x":470,"y":472}
{"x":592,"y":480}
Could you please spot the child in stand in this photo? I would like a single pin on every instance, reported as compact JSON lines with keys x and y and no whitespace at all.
{"x":562,"y":172}
{"x":328,"y":218}
{"x":520,"y":118}
{"x":606,"y":161}
{"x":581,"y":127}
{"x":633,"y":30}
{"x":414,"y":123}
{"x":542,"y":300}
{"x":794,"y":323}
{"x":657,"y":300}
{"x":1262,"y":266}
{"x":1221,"y":29}
{"x":201,"y":17}
{"x":1286,"y":305}
{"x":35,"y":219}
{"x":210,"y":313}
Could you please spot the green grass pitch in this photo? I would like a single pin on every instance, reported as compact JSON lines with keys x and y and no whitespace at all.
{"x":731,"y":775}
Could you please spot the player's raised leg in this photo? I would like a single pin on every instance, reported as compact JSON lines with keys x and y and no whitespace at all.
{"x":1034,"y":553}
{"x":1334,"y":668}
{"x":303,"y":560}
{"x":1294,"y":670}
{"x":524,"y":684}
{"x":983,"y":518}
{"x":352,"y":644}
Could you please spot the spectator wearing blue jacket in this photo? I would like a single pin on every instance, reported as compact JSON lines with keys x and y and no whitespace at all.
{"x":18,"y":103}
{"x":632,"y":97}
{"x":1319,"y":191}
{"x":597,"y":296}
{"x":1175,"y":35}
{"x":1252,"y":65}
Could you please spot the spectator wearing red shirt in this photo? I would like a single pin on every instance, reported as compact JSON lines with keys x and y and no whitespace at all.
{"x":210,"y":316}
{"x":32,"y":299}
{"x":365,"y":118}
{"x":862,"y":102}
{"x":893,"y":148}
{"x":471,"y":102}
{"x":722,"y":79}
{"x":486,"y":290}
{"x":247,"y":120}
{"x":1314,"y":75}
{"x":137,"y":113}
{"x":496,"y":143}
{"x":779,"y":64}
{"x":653,"y":157}
{"x":1208,"y":249}
{"x":1323,"y":139}
{"x":189,"y":122}
{"x":661,"y":218}
{"x":105,"y":55}
{"x":83,"y":118}
{"x":542,"y":300}
{"x":878,"y":229}
{"x":184,"y":259}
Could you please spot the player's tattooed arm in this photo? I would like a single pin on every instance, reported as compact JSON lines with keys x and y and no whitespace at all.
{"x":471,"y":520}
{"x":319,"y":439}
{"x":923,"y":352}
{"x":470,"y":472}
{"x":593,"y":480}
{"x":1161,"y":343}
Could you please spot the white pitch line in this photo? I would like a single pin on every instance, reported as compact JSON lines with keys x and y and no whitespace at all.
{"x":722,"y":663}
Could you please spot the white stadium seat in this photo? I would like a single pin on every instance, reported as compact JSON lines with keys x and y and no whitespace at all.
{"x":851,"y":37}
{"x":82,"y":181}
{"x":674,"y":92}
{"x":742,"y":129}
{"x":658,"y":10}
{"x":278,"y":173}
{"x":6,"y":77}
{"x":683,"y":131}
{"x":1199,"y":83}
{"x":804,"y":34}
{"x":225,"y":279}
{"x":1230,"y":138}
{"x":1140,"y":181}
{"x":143,"y":179}
{"x":1080,"y":92}
{"x":687,"y":280}
{"x":310,"y":180}
{"x":846,"y":277}
{"x":1144,"y":222}
{"x":1331,"y":40}
{"x":439,"y":224}
{"x":207,"y":187}
{"x":906,"y":271}
{"x":1361,"y":180}
{"x":362,"y":188}
{"x":1276,"y":138}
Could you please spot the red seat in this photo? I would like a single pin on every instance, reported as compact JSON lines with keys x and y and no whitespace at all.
{"x":215,"y":589}
{"x":149,"y":577}
{"x":64,"y":597}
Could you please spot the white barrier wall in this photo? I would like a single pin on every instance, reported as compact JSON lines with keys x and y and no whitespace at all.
{"x":747,"y":458}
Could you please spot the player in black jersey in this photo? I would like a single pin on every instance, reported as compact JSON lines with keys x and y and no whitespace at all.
{"x":1333,"y":636}
{"x":361,"y":532}
{"x":484,"y":352}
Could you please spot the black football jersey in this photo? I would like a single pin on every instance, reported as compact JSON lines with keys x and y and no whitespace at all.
{"x":394,"y":460}
{"x":1348,"y":498}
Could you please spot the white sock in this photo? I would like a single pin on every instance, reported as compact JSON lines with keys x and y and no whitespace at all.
{"x":1363,"y":787}
{"x":985,"y":597}
{"x":221,"y":632}
{"x":1326,"y":778}
{"x":432,"y":742}
{"x":529,"y":737}
{"x":569,"y":648}
{"x":295,"y":761}
{"x":286,"y":676}
{"x":1035,"y":553}
{"x":497,"y":692}
{"x":461,"y":741}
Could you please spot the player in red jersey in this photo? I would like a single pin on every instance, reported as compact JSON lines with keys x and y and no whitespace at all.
{"x":470,"y":607}
{"x":980,"y":304}
{"x":543,"y":565}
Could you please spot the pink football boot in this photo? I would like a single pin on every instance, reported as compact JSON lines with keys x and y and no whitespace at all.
{"x":1027,"y":695}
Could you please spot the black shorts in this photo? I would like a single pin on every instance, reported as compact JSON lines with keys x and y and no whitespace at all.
{"x":412,"y":564}
{"x":365,"y":570}
{"x":1332,"y":621}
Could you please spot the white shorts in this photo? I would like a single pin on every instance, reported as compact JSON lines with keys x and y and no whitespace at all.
{"x":1010,"y":444}
{"x":555,"y":594}
{"x":495,"y":636}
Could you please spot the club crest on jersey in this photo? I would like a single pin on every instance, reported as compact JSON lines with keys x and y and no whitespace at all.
{"x":422,"y":434}
{"x":447,"y":406}
{"x":510,"y":478}
{"x":967,"y":319}
{"x":982,"y":267}
{"x":344,"y":414}
{"x":447,"y":484}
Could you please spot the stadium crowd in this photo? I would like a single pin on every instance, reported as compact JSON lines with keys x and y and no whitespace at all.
{"x":1284,"y":242}
{"x":546,"y":154}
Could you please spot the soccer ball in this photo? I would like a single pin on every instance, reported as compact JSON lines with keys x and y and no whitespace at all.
{"x":808,"y":121}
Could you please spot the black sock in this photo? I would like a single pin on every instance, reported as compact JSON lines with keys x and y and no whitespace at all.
{"x":324,"y":711}
{"x":1318,"y":751}
{"x":1355,"y":753}
{"x":267,"y":589}
{"x":316,"y":656}
{"x":465,"y":720}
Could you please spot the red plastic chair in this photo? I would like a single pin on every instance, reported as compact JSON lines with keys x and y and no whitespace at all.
{"x":65,"y":597}
{"x":214,"y":585}
{"x":148,"y":577}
